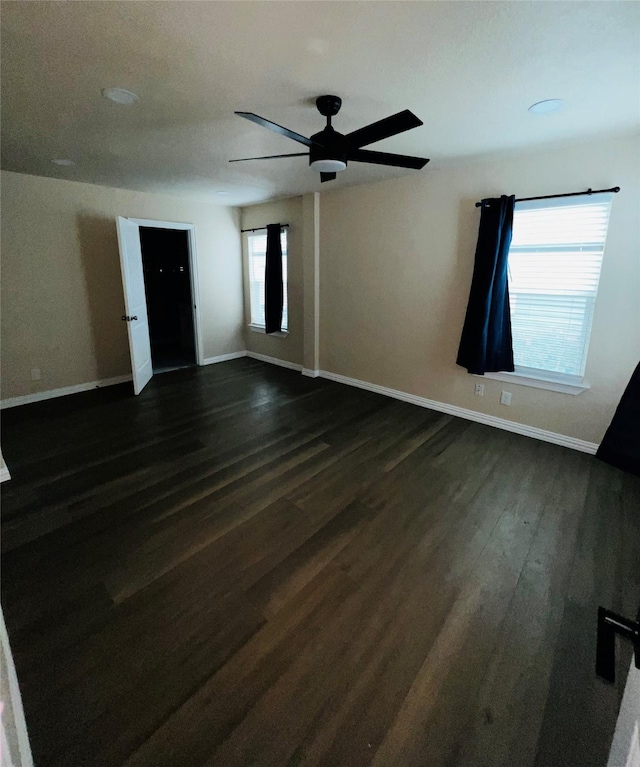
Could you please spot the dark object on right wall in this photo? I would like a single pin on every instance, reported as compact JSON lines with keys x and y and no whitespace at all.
{"x":621,"y":444}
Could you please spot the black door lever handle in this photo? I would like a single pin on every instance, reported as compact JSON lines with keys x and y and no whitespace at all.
{"x":610,"y":624}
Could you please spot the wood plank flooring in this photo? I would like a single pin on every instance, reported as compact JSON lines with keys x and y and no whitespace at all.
{"x":244,"y":566}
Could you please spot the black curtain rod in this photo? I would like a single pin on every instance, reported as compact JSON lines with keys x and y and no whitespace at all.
{"x":260,"y":228}
{"x":614,"y":189}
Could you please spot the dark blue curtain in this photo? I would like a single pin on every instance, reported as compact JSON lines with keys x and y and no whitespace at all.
{"x":273,"y":292}
{"x":621,"y":444}
{"x":485,"y":345}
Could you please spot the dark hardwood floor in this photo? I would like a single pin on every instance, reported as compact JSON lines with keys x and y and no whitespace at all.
{"x":244,"y":566}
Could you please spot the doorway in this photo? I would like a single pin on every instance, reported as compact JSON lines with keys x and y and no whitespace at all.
{"x":167,"y":284}
{"x":159,"y":303}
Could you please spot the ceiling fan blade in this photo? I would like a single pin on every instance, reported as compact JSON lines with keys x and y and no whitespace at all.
{"x":390,"y":126}
{"x":327,"y":177}
{"x":384,"y":158}
{"x":272,"y":157}
{"x":276,"y":128}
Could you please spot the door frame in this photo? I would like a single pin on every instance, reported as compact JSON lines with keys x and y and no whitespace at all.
{"x":190,"y":229}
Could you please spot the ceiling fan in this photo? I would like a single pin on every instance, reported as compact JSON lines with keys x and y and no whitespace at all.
{"x":330,"y":151}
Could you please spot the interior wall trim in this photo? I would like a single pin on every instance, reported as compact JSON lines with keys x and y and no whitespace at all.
{"x":223,"y":358}
{"x":26,"y":399}
{"x":471,"y":415}
{"x":275,"y":361}
{"x":310,"y":373}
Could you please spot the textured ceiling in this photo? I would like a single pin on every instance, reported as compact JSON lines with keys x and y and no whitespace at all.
{"x":469,"y":70}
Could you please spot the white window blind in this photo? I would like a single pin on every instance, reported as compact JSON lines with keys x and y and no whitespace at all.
{"x":554,"y":268}
{"x":257,"y":261}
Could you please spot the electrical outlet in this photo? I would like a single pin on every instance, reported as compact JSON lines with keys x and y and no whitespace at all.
{"x":479,"y":390}
{"x":505,"y":398}
{"x":35,"y":374}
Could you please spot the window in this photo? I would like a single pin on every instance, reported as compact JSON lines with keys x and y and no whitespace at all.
{"x":554,"y":268}
{"x":257,"y":261}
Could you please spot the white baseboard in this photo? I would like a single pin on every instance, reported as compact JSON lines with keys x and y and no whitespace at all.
{"x":275,"y":361}
{"x":26,"y":399}
{"x":223,"y":358}
{"x":471,"y":415}
{"x":442,"y":407}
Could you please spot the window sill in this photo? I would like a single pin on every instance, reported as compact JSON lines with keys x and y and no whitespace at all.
{"x":539,"y":382}
{"x":261,"y":329}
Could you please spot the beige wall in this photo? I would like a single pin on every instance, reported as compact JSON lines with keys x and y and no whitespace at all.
{"x":61,"y":287}
{"x":395,"y":269}
{"x":290,"y":212}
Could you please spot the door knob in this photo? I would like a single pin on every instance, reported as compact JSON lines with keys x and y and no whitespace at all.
{"x":610,"y":624}
{"x":126,"y":318}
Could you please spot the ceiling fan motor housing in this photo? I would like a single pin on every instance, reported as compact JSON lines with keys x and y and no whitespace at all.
{"x":328,"y":145}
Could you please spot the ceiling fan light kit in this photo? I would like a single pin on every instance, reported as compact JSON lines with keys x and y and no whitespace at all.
{"x":327,"y":165}
{"x":330,"y":151}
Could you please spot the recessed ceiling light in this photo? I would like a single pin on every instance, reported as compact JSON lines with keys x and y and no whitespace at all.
{"x":66,"y":163}
{"x":120,"y":95}
{"x":223,"y":193}
{"x":549,"y":105}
